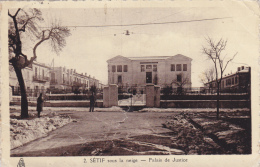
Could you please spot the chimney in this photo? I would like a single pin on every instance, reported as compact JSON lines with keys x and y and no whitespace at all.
{"x":242,"y":68}
{"x":85,"y":73}
{"x":238,"y":68}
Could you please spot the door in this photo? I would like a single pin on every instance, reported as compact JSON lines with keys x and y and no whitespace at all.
{"x":148,"y":77}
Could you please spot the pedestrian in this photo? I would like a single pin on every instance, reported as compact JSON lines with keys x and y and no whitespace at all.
{"x":92,"y":102}
{"x":39,"y":105}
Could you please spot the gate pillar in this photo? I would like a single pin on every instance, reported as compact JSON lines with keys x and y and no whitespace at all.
{"x":157,"y":96}
{"x":152,"y":95}
{"x":149,"y":89}
{"x":113,"y":95}
{"x":106,"y":96}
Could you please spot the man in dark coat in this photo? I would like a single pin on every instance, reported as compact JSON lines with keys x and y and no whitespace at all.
{"x":39,"y":105}
{"x":92,"y":102}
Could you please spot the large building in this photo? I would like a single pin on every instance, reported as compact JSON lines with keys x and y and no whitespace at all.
{"x":36,"y":78}
{"x":69,"y":80}
{"x":41,"y":78}
{"x":159,"y":70}
{"x":234,"y":82}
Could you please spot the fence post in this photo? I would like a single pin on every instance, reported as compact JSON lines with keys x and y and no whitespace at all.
{"x":106,"y":96}
{"x":113,"y":95}
{"x":150,"y":95}
{"x":157,"y":96}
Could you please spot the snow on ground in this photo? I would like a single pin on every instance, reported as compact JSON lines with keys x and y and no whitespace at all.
{"x":30,"y":108}
{"x":26,"y":130}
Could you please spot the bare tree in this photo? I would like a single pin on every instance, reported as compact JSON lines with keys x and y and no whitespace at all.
{"x":208,"y":76}
{"x":214,"y":51}
{"x":24,"y":24}
{"x":180,"y":81}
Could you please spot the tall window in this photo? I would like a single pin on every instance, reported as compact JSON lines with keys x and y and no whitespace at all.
{"x":178,"y":66}
{"x":236,"y":80}
{"x":113,"y":68}
{"x":125,"y":68}
{"x":35,"y":72}
{"x":42,"y":73}
{"x":172,"y":67}
{"x":179,"y":79}
{"x":148,"y":66}
{"x":63,"y":79}
{"x":119,"y":68}
{"x":142,"y":68}
{"x":184,"y":67}
{"x":119,"y":79}
{"x":233,"y":81}
{"x":154,"y":68}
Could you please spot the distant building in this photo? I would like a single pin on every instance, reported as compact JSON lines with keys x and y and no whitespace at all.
{"x":36,"y":78}
{"x":69,"y":80}
{"x":41,"y":78}
{"x":236,"y":82}
{"x":159,"y":70}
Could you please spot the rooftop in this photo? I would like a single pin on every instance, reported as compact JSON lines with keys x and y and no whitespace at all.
{"x":149,"y":58}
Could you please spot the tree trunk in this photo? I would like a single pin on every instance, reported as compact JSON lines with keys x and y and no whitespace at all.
{"x":218,"y":100}
{"x":24,"y":102}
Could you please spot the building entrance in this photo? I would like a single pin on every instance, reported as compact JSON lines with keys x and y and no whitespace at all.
{"x":148,"y":77}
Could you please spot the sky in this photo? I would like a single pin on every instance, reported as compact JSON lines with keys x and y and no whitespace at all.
{"x":88,"y":48}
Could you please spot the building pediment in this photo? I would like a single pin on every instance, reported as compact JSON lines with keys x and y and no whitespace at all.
{"x":118,"y":59}
{"x":180,"y":57}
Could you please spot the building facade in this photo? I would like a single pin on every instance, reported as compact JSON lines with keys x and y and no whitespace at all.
{"x":236,"y":82}
{"x":36,"y":78}
{"x":69,"y":80}
{"x":41,"y":78}
{"x":159,"y":70}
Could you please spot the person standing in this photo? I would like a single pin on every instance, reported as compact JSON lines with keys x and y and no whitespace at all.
{"x":92,"y":102}
{"x":39,"y":105}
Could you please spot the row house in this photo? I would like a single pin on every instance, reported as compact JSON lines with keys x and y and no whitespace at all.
{"x":36,"y":78}
{"x":70,"y":80}
{"x":237,"y":82}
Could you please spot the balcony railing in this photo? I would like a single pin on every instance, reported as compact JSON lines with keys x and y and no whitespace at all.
{"x":40,"y":78}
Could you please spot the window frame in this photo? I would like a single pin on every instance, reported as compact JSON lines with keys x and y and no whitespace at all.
{"x":154,"y":67}
{"x":125,"y":68}
{"x":113,"y":68}
{"x":180,"y":67}
{"x":142,"y":68}
{"x":186,"y":67}
{"x":180,"y":78}
{"x":173,"y":67}
{"x":119,"y":68}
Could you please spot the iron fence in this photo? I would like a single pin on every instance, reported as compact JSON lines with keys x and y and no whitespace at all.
{"x":55,"y":94}
{"x":169,"y":90}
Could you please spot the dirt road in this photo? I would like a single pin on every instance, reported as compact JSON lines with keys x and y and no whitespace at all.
{"x":97,"y":126}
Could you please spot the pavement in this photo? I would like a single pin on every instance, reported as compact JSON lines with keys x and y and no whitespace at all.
{"x":97,"y":126}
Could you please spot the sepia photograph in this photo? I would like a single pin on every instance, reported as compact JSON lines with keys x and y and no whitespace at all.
{"x":150,"y":82}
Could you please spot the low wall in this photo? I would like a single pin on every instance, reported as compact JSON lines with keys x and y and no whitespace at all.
{"x":98,"y":103}
{"x":205,"y":97}
{"x":204,"y":104}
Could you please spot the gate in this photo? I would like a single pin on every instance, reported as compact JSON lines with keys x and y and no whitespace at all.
{"x":131,"y":96}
